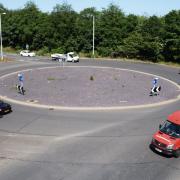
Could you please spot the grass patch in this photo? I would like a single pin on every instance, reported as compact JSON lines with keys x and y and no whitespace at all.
{"x":51,"y":79}
{"x":57,"y":79}
{"x":6,"y":59}
{"x":170,"y":64}
{"x":45,"y":52}
{"x":9,"y":50}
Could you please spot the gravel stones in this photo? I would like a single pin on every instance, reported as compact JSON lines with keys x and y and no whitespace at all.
{"x":86,"y":87}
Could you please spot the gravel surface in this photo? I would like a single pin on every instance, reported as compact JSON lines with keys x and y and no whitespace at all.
{"x":86,"y":87}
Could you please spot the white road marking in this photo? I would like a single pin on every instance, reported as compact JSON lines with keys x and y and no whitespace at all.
{"x":83,"y":133}
{"x":123,"y":101}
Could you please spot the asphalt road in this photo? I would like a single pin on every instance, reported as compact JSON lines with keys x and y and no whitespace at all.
{"x":42,"y":144}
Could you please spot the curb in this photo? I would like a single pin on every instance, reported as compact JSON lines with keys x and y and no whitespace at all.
{"x":50,"y":107}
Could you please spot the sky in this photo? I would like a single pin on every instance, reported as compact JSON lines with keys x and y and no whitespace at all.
{"x":137,"y":7}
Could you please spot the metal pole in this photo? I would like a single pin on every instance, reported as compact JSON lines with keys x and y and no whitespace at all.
{"x":93,"y":35}
{"x":1,"y":37}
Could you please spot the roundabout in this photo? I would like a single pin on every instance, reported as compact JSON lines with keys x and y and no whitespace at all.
{"x":54,"y":144}
{"x":87,"y":88}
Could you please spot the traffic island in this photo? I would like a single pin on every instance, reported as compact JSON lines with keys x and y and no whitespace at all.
{"x":87,"y":87}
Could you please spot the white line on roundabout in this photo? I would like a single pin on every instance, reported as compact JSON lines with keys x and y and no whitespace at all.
{"x":94,"y":108}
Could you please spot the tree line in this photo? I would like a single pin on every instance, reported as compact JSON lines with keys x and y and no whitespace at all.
{"x":116,"y":34}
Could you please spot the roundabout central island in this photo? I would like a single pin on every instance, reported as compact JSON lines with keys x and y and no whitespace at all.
{"x":91,"y":87}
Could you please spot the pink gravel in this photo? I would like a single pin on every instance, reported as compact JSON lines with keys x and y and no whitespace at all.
{"x":86,"y":87}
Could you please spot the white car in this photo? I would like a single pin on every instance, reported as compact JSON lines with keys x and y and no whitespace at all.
{"x":69,"y":57}
{"x":27,"y":53}
{"x":72,"y":57}
{"x":58,"y":57}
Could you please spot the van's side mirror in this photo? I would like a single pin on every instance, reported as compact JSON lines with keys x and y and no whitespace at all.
{"x":160,"y":126}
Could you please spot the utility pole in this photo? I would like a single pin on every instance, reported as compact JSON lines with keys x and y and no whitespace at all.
{"x":1,"y":36}
{"x":93,"y":33}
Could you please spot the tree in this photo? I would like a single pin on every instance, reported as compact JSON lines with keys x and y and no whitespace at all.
{"x":116,"y":34}
{"x":43,"y":37}
{"x":85,"y":26}
{"x":112,"y":21}
{"x":152,"y":31}
{"x":132,"y":45}
{"x":63,"y":21}
{"x":130,"y":25}
{"x":171,"y":36}
{"x":153,"y":27}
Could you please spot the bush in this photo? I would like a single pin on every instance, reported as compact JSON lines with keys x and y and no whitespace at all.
{"x":43,"y":51}
{"x":104,"y":51}
{"x":9,"y":50}
{"x":59,"y":50}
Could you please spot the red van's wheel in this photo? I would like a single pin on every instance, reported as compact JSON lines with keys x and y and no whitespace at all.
{"x":177,"y":153}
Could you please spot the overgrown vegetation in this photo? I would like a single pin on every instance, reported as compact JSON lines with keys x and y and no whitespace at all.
{"x":51,"y":79}
{"x":6,"y":59}
{"x":116,"y":34}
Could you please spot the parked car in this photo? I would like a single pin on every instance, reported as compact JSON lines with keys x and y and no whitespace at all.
{"x":167,"y":139}
{"x":4,"y":108}
{"x":27,"y":53}
{"x":69,"y":57}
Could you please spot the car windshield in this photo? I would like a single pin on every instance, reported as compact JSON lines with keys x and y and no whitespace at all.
{"x":73,"y":55}
{"x":171,"y":129}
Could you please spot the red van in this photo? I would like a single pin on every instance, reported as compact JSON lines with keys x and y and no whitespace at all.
{"x":167,"y":139}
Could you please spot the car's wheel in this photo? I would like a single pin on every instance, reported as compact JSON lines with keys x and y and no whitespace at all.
{"x":177,"y":153}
